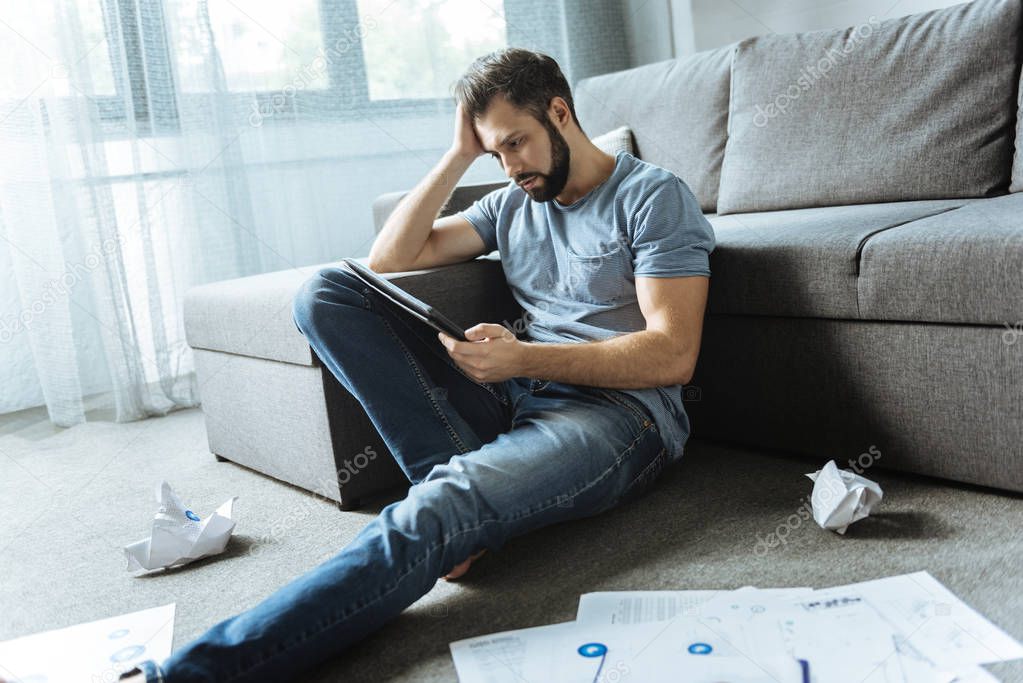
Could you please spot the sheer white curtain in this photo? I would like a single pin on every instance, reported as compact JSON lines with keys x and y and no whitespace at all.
{"x":150,"y":145}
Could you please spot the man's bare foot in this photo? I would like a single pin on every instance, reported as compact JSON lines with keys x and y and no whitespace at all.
{"x":462,"y":568}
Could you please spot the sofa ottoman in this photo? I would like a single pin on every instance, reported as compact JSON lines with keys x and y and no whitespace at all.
{"x":271,"y":406}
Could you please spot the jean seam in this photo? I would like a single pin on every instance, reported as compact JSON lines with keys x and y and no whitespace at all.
{"x":426,"y":390}
{"x":524,"y":394}
{"x":657,"y":463}
{"x":447,"y":359}
{"x":433,"y":548}
{"x":343,"y":285}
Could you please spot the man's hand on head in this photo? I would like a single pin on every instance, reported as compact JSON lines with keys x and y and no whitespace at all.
{"x":466,"y":142}
{"x":492,"y":354}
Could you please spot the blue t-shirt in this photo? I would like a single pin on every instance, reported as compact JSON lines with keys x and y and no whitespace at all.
{"x":572,"y":268}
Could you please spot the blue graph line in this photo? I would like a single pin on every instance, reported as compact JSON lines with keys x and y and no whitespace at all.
{"x":594,"y":650}
{"x":805,"y":666}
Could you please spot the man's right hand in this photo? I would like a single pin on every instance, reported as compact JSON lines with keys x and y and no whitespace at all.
{"x":466,"y":143}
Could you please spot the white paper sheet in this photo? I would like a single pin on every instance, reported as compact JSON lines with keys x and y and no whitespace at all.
{"x":841,"y":497}
{"x":936,"y":622}
{"x":502,"y":657}
{"x":637,"y":607}
{"x":92,"y":652}
{"x":573,"y":652}
{"x":901,"y":629}
{"x":178,"y":535}
{"x":843,"y":639}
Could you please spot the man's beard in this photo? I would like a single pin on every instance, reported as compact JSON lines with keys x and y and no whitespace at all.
{"x":553,"y":182}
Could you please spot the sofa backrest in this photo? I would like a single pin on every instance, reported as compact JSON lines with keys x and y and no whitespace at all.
{"x":1017,"y":164}
{"x":918,"y":107}
{"x":677,"y":110}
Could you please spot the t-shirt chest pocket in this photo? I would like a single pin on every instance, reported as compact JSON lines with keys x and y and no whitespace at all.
{"x":600,"y":277}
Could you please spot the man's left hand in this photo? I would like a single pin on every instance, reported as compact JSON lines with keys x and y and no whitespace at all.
{"x":492,"y":354}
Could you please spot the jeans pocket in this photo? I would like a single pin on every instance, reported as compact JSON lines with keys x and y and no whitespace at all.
{"x":646,"y":478}
{"x":640,"y":411}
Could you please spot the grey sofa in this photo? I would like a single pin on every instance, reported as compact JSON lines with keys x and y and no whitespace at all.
{"x":867,"y":291}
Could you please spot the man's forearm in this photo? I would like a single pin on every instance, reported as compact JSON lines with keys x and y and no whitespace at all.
{"x":637,"y":360}
{"x":408,"y":227}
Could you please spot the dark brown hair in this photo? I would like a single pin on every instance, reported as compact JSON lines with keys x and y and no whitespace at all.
{"x":529,"y":80}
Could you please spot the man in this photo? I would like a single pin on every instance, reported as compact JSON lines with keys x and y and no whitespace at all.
{"x":608,"y":257}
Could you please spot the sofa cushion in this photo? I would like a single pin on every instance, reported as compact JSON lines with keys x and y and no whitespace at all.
{"x":614,"y":141}
{"x":801,"y":262}
{"x":918,"y":107}
{"x":963,"y":266}
{"x":251,"y":316}
{"x":678,"y":112}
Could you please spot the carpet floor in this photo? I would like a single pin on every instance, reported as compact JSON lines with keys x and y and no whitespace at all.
{"x":71,"y":499}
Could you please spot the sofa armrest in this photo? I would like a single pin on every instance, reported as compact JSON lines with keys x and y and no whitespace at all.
{"x":461,"y":198}
{"x":251,"y":316}
{"x":470,"y":292}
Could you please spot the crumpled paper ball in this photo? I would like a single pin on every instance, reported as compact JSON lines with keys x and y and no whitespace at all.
{"x":180,"y":536}
{"x":841,"y":497}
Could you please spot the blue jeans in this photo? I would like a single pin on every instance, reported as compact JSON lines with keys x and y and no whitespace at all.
{"x":487,"y":461}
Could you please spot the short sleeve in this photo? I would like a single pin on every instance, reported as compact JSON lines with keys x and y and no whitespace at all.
{"x":671,"y":236}
{"x":482,"y":214}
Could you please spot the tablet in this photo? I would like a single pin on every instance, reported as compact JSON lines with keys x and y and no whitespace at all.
{"x":421,"y":310}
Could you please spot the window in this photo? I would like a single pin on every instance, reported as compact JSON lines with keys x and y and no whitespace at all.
{"x":28,"y":37}
{"x":328,"y":58}
{"x":262,"y":46}
{"x":150,"y":61}
{"x":416,"y":49}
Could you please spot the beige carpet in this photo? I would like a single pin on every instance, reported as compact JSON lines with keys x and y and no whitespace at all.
{"x":70,"y":499}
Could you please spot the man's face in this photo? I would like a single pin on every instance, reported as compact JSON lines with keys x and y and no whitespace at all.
{"x":527,"y":149}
